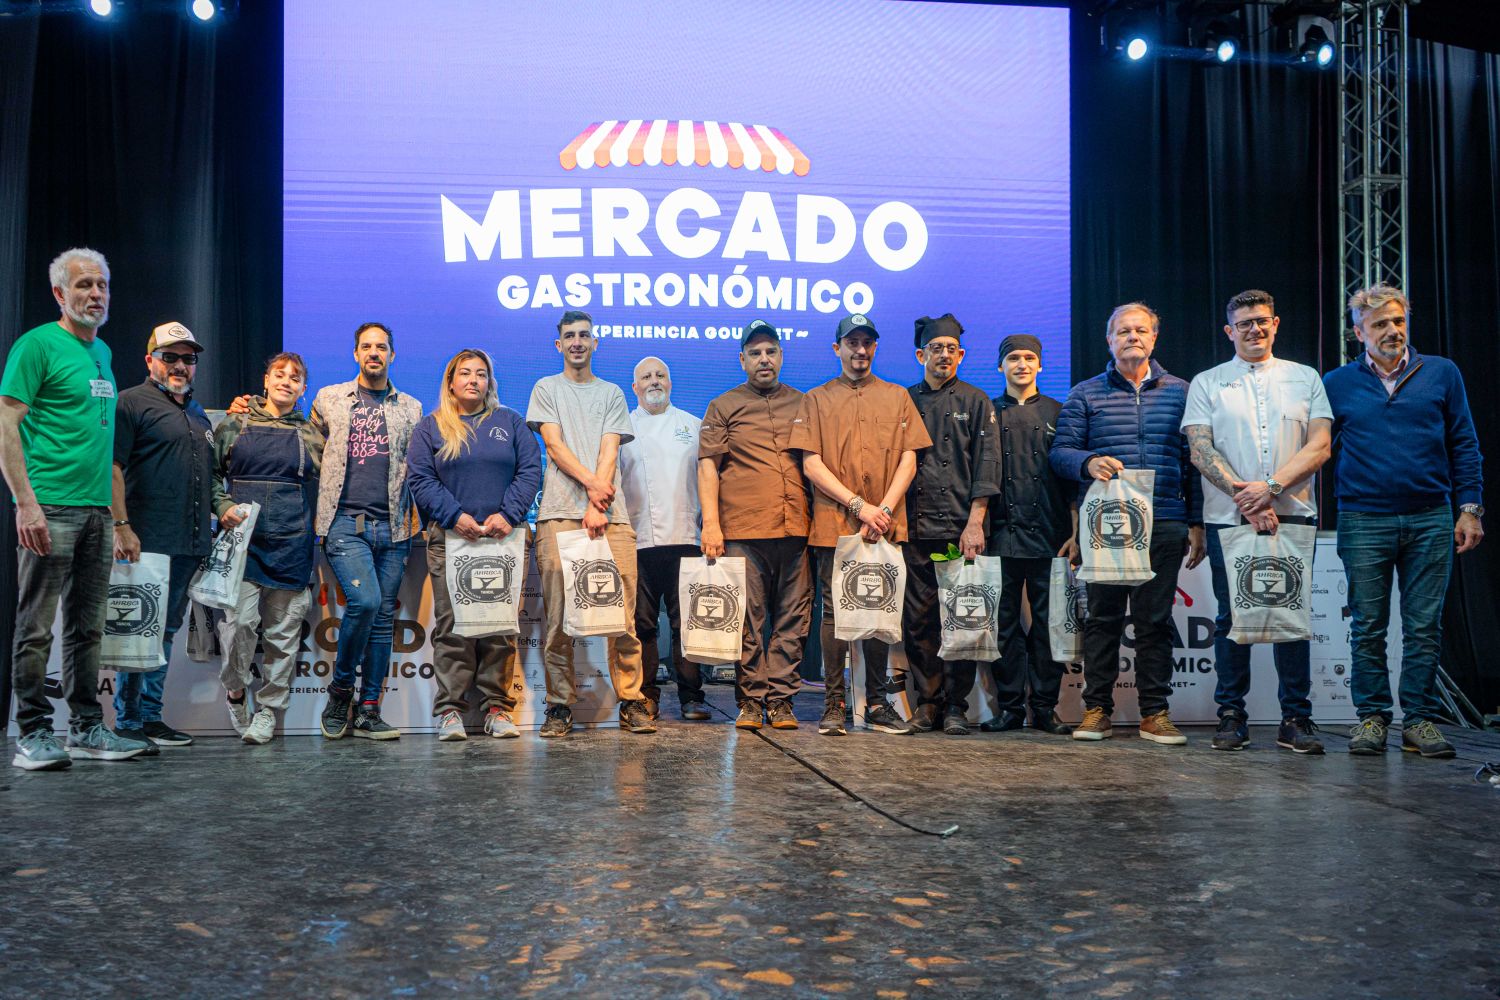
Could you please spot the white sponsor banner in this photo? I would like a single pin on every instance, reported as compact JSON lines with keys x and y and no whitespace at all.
{"x":194,"y":699}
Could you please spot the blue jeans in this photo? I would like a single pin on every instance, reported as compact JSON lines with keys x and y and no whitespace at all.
{"x":1419,"y":549}
{"x":138,"y":696}
{"x":1232,"y":659}
{"x":369,"y":567}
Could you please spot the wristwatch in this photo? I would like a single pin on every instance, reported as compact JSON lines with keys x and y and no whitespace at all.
{"x":1477,"y":509}
{"x":121,"y":524}
{"x":888,"y":511}
{"x":1272,"y":486}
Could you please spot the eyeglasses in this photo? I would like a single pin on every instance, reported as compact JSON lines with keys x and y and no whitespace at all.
{"x":171,"y":358}
{"x":1246,"y":325}
{"x":942,"y":348}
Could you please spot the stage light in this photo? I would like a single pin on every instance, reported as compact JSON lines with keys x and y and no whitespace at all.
{"x":204,"y":10}
{"x":1222,"y":42}
{"x":1136,"y":49}
{"x":1316,"y":47}
{"x":1226,"y":50}
{"x":102,"y":8}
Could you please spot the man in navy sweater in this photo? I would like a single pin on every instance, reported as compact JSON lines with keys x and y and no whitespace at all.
{"x":1407,"y":455}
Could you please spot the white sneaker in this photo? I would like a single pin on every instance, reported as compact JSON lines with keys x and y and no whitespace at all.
{"x":239,"y":714}
{"x":451,"y":727}
{"x":499,"y":725}
{"x":262,"y":727}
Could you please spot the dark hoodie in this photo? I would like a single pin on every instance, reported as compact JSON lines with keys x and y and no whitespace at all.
{"x":274,"y":462}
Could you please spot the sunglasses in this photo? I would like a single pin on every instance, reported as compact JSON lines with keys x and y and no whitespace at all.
{"x":171,"y":357}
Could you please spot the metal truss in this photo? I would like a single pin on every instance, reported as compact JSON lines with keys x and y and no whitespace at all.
{"x":1372,"y":145}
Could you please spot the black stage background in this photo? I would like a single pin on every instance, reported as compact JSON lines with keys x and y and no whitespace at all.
{"x":157,"y":141}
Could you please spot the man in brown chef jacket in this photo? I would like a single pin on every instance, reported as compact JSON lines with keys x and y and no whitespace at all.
{"x":859,"y":436}
{"x":755,"y":506}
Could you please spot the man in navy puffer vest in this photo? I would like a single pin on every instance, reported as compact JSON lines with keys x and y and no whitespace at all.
{"x":1128,"y":418}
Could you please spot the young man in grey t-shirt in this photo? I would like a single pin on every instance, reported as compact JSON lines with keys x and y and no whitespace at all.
{"x":583,"y":421}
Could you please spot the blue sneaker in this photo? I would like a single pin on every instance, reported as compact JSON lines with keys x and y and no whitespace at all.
{"x":97,"y":743}
{"x":38,"y":750}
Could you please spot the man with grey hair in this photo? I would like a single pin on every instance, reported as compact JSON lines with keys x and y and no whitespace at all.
{"x":659,"y":471}
{"x":1258,"y":427}
{"x":1408,"y":455}
{"x":57,"y":419}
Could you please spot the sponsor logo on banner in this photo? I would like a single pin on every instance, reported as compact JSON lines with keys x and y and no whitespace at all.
{"x":713,"y":607}
{"x":868,"y":586}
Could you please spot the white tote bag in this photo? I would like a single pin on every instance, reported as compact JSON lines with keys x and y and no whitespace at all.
{"x":1270,"y":582}
{"x":203,"y":636}
{"x":1115,"y":525}
{"x":1067,"y":607}
{"x":969,"y":606}
{"x":593,"y":590}
{"x":711,"y":596}
{"x":136,"y":614}
{"x":869,"y":584}
{"x":484,"y":583}
{"x":217,"y":582}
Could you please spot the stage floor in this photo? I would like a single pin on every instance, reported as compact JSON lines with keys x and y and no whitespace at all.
{"x":702,"y":862}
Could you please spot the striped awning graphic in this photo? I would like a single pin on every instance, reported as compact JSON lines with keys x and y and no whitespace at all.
{"x":684,"y":143}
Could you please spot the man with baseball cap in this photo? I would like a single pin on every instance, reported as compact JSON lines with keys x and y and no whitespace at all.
{"x":1029,"y":526}
{"x":755,"y":506}
{"x":163,"y":483}
{"x":859,"y":436}
{"x":945,"y":505}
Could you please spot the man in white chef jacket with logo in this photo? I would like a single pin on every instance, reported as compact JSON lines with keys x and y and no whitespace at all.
{"x":660,"y":477}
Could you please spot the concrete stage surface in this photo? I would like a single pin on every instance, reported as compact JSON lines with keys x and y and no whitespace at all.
{"x":701,"y":862}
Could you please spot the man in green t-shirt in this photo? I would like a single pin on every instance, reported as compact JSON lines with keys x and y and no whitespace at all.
{"x":57,"y":416}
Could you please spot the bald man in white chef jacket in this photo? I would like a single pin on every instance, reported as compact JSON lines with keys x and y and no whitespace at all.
{"x":659,"y":472}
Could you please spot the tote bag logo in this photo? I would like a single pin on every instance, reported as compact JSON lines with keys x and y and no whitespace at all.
{"x":1118,"y":524}
{"x":713,"y":608}
{"x":132,"y":609}
{"x":868,"y":586}
{"x":597,"y":584}
{"x":1268,"y":582}
{"x":483,"y":579}
{"x":971,"y":606}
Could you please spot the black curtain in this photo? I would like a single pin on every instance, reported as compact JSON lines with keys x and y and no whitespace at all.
{"x":1192,"y":182}
{"x":157,"y":141}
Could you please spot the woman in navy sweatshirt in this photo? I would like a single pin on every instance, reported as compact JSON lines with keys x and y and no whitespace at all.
{"x":474,"y":469}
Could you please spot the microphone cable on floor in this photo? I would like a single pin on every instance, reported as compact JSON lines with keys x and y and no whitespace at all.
{"x":815,"y":769}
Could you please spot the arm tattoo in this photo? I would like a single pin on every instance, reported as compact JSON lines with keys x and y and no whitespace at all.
{"x":1207,"y":458}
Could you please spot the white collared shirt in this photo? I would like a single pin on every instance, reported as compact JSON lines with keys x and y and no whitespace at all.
{"x":1259,"y":414}
{"x":660,"y":477}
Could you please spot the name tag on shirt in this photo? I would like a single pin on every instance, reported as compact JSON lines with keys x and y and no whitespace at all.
{"x":100,"y":388}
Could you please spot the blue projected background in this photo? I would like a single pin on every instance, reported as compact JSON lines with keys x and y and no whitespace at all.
{"x":465,"y":170}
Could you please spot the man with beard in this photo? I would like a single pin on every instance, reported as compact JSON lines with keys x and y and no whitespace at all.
{"x":1408,"y":455}
{"x":755,"y":507}
{"x":57,"y":429}
{"x":163,"y":495}
{"x":583,"y":422}
{"x":945,"y":505}
{"x":659,"y":471}
{"x":859,"y":429}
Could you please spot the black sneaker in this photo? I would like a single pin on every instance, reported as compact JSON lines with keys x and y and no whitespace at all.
{"x":955,"y":723}
{"x":925,"y":718}
{"x":1426,"y":739}
{"x":832,"y":723}
{"x":139,"y":735}
{"x":559,"y":722}
{"x":780,"y":711}
{"x":696,"y":711}
{"x":335,"y":720}
{"x":1367,"y":736}
{"x":369,"y":725}
{"x":1298,"y":735}
{"x":882,"y":718}
{"x":1050,"y":724}
{"x":635,"y":716}
{"x":164,"y":735}
{"x":1234,"y":733}
{"x":752,"y":715}
{"x":1003,"y":723}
